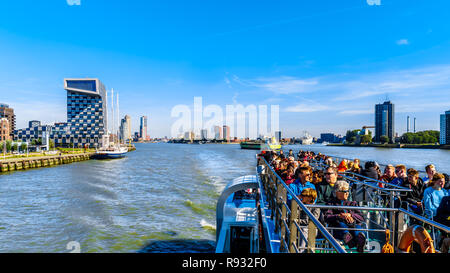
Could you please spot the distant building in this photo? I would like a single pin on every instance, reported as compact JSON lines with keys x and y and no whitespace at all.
{"x":329,"y":137}
{"x":384,"y":121}
{"x":278,"y":136}
{"x":218,"y":133}
{"x":204,"y":134}
{"x":444,"y":135}
{"x":8,"y":113}
{"x":226,"y":133}
{"x":86,"y":117}
{"x":143,"y":128}
{"x":4,"y":130}
{"x":125,"y":129}
{"x":34,"y":123}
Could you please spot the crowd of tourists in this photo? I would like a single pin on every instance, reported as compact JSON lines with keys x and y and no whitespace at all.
{"x":428,"y":195}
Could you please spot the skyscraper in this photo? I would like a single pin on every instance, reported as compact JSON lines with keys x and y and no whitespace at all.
{"x":125,"y":128}
{"x":226,"y":133}
{"x":218,"y":133}
{"x":444,"y":136}
{"x":143,"y":128}
{"x":384,"y":121}
{"x":8,"y":113}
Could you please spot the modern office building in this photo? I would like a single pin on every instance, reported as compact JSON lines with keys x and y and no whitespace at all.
{"x":86,"y":117}
{"x":8,"y":113}
{"x":226,"y":133}
{"x":204,"y":134}
{"x":33,"y":123}
{"x":330,"y":138}
{"x":384,"y":121}
{"x":125,"y":128}
{"x":4,"y":130}
{"x":278,"y":135}
{"x":444,"y":135}
{"x":143,"y":128}
{"x":86,"y":112}
{"x":218,"y":133}
{"x":128,"y":121}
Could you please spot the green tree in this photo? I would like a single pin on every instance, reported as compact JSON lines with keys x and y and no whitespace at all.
{"x":23,"y":146}
{"x":384,"y":139}
{"x":350,"y":136}
{"x":366,"y":139}
{"x":8,"y":145}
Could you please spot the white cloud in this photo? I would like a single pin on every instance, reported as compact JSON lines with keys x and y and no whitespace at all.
{"x":402,"y":42}
{"x":307,"y":108}
{"x":281,"y":85}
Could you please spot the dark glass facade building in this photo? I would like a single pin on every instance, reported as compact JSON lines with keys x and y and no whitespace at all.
{"x":384,"y":121}
{"x":86,"y":117}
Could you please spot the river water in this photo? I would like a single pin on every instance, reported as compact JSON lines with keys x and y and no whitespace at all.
{"x":158,"y":192}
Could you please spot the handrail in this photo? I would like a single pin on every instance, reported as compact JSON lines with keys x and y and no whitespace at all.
{"x":316,"y":222}
{"x":393,"y":211}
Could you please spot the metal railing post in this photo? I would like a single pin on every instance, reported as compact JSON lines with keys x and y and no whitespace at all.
{"x":292,"y":226}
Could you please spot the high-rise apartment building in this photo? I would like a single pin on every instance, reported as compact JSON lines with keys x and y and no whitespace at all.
{"x":86,"y":117}
{"x":125,"y":128}
{"x":8,"y":113}
{"x":143,"y":128}
{"x":4,"y":130}
{"x":226,"y":133}
{"x":218,"y":133}
{"x":384,"y":121}
{"x":444,"y":135}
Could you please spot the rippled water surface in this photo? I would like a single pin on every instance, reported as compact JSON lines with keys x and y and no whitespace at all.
{"x":159,"y":192}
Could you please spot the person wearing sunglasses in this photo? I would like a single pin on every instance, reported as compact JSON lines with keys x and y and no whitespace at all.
{"x":326,"y":188}
{"x":302,"y":182}
{"x":345,"y":218}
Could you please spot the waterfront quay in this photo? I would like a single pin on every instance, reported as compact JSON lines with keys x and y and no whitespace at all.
{"x":24,"y":163}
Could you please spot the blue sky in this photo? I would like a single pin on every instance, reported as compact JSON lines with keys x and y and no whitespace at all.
{"x":326,"y":63}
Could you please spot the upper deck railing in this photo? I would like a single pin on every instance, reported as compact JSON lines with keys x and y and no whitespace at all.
{"x":296,"y":237}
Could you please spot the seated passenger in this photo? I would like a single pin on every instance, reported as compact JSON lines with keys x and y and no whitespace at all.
{"x":433,"y":195}
{"x":288,"y":176}
{"x":302,"y":182}
{"x":325,"y":188}
{"x":371,"y":170}
{"x":431,"y":170}
{"x":344,"y":218}
{"x":389,"y":174}
{"x":342,"y":166}
{"x":317,"y":177}
{"x":402,"y":177}
{"x":356,"y":166}
{"x":414,"y":197}
{"x":307,"y":197}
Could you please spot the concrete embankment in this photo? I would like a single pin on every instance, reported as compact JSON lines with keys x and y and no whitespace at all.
{"x":23,"y":163}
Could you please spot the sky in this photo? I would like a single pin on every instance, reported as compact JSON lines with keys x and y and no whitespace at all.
{"x":325,"y":63}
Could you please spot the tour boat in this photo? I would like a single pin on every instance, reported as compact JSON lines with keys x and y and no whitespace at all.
{"x":111,"y":152}
{"x":252,"y":216}
{"x":261,"y":145}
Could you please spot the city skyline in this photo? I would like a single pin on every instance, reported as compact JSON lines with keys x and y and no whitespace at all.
{"x":325,"y":71}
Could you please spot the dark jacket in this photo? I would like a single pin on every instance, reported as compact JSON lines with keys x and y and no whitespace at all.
{"x":416,"y":195}
{"x":332,"y":215}
{"x":324,"y":192}
{"x":443,"y":212}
